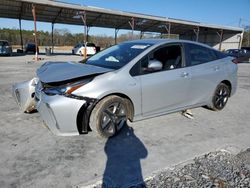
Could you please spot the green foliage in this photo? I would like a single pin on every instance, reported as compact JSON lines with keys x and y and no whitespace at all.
{"x":246,"y":37}
{"x":62,"y":37}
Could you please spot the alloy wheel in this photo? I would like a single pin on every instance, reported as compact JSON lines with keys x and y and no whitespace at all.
{"x":113,"y":118}
{"x":221,"y":96}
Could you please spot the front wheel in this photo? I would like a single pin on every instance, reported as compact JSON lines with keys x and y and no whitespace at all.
{"x":220,"y":97}
{"x":109,"y":116}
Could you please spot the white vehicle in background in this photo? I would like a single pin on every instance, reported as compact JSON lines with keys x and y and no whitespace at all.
{"x":79,"y":49}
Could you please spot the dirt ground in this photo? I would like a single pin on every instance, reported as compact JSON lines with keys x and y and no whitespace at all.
{"x":31,"y":156}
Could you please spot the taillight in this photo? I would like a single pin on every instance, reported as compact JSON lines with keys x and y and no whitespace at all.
{"x":235,"y":61}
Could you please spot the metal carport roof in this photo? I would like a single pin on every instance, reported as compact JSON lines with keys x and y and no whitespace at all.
{"x":59,"y":12}
{"x":64,"y":13}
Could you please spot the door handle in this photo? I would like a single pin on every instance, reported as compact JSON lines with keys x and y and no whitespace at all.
{"x":132,"y":84}
{"x":184,"y":74}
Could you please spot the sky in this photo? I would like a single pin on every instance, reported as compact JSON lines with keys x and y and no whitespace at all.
{"x":218,"y":12}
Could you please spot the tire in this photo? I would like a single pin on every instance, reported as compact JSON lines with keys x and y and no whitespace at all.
{"x":109,"y":116}
{"x":220,"y":97}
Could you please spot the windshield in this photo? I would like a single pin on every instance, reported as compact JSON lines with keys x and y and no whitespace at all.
{"x":117,"y":56}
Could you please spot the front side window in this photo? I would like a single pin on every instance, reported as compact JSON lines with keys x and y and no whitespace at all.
{"x":162,"y":59}
{"x":117,"y":56}
{"x":199,"y":54}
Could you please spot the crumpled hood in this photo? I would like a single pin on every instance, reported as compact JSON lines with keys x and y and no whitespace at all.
{"x":61,"y":71}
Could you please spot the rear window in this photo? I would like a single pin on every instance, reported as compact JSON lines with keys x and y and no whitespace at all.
{"x":91,"y":44}
{"x":4,"y":43}
{"x":30,"y":45}
{"x":198,"y":54}
{"x":246,"y":48}
{"x":220,"y":55}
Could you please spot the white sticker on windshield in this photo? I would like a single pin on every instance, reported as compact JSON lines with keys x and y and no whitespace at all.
{"x":112,"y":59}
{"x":139,"y":46}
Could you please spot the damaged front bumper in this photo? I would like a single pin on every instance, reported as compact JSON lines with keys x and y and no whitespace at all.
{"x":63,"y":115}
{"x":24,"y":95}
{"x":59,"y":113}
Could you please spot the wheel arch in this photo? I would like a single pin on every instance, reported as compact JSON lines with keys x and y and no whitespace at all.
{"x":83,"y":116}
{"x":128,"y":101}
{"x":228,"y":83}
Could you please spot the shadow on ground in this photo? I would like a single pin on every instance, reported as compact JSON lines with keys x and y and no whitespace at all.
{"x":123,"y":167}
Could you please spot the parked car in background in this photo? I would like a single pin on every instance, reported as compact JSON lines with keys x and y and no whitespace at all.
{"x":246,"y":48}
{"x":79,"y":49}
{"x":242,"y":55}
{"x":31,"y":47}
{"x":5,"y":48}
{"x":132,"y":81}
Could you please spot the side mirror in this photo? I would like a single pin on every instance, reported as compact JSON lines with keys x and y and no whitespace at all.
{"x":154,"y":65}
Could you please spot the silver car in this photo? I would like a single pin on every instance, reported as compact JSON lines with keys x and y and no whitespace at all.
{"x":132,"y":81}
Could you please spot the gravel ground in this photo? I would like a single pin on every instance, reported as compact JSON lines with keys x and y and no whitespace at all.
{"x":220,"y":169}
{"x":217,"y":169}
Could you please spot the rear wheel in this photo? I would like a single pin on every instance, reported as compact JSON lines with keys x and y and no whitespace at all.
{"x":220,"y":97}
{"x":109,"y":116}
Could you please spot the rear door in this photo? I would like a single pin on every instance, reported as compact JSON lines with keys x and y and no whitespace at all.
{"x":206,"y":71}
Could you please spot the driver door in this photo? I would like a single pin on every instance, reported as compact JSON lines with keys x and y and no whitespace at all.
{"x":164,"y":90}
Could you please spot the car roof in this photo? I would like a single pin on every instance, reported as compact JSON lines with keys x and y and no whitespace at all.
{"x":166,"y":41}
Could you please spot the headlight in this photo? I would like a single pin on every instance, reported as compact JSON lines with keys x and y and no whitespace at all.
{"x":65,"y":89}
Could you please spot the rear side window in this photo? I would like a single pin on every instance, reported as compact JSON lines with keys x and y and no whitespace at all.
{"x":198,"y":54}
{"x":220,"y":55}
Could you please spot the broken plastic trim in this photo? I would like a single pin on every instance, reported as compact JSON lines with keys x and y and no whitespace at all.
{"x":83,"y":115}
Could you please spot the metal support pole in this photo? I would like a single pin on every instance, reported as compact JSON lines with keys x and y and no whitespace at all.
{"x":205,"y":38}
{"x":116,"y":32}
{"x":52,"y":37}
{"x":141,"y":34}
{"x":87,"y":37}
{"x":34,"y":16}
{"x":132,"y":25}
{"x":84,"y":19}
{"x":220,"y":34}
{"x":196,"y":32}
{"x":168,"y":29}
{"x":21,"y":35}
{"x":241,"y":40}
